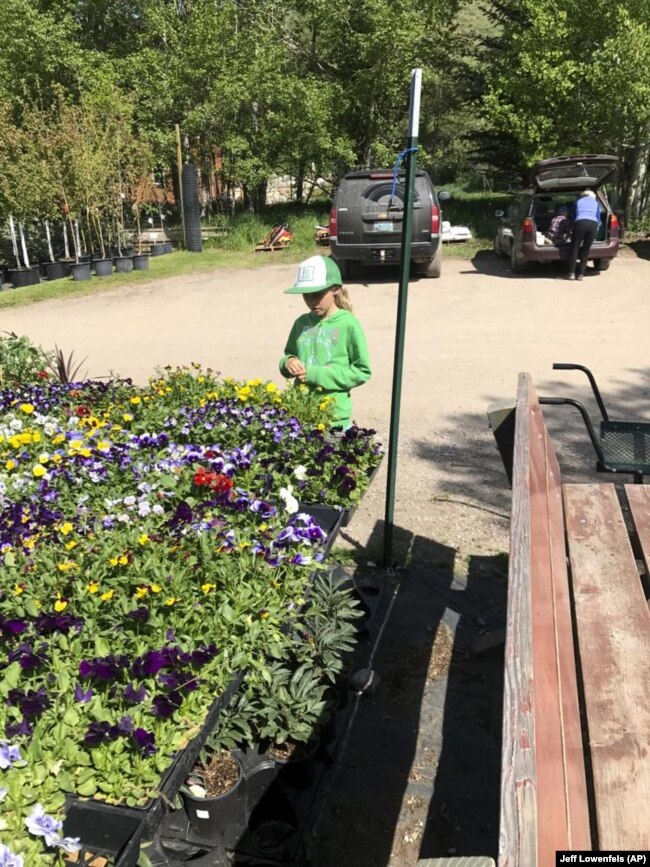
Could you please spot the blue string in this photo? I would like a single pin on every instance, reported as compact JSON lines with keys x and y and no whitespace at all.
{"x":400,"y":157}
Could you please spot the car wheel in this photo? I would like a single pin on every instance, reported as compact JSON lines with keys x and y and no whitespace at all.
{"x":517,"y":265}
{"x":602,"y":264}
{"x":433,"y":268}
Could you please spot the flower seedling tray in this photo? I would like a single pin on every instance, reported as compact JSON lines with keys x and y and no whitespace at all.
{"x":114,"y":834}
{"x":117,"y":825}
{"x":328,"y":519}
{"x":348,"y":514}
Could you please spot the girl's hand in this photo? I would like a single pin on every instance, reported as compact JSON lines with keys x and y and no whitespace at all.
{"x":295,"y":367}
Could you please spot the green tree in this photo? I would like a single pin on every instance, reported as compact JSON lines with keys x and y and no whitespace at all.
{"x":574,"y":77}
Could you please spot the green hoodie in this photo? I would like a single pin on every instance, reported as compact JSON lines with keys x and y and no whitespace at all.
{"x":335,"y":353}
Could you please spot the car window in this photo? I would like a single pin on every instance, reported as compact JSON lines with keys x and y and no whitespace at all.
{"x":367,"y":194}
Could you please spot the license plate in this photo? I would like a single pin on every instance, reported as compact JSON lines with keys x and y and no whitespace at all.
{"x":384,"y":227}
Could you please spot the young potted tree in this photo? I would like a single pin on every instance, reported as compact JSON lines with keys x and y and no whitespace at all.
{"x":21,"y":186}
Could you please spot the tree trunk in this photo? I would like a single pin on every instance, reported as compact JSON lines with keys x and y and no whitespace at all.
{"x":636,"y":188}
{"x":49,"y":240}
{"x":14,"y":242}
{"x":300,"y":180}
{"x":23,"y":244}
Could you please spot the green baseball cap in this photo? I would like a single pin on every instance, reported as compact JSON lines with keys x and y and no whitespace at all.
{"x":315,"y":275}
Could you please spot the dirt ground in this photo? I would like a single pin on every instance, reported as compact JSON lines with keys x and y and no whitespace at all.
{"x":468,"y":335}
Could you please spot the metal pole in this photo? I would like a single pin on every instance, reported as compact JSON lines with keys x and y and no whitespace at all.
{"x":400,"y":329}
{"x":179,"y":160}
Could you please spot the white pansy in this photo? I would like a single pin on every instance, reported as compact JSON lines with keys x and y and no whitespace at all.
{"x":290,"y":502}
{"x":300,"y":473}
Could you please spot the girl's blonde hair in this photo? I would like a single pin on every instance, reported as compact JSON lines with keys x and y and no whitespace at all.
{"x":342,"y":299}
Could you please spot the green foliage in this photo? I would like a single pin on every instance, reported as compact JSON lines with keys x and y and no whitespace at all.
{"x":20,"y":360}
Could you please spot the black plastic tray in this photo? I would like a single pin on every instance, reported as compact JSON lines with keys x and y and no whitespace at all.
{"x":114,"y":830}
{"x":328,"y":519}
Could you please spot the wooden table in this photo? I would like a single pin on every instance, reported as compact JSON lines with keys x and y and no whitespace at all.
{"x":610,"y":588}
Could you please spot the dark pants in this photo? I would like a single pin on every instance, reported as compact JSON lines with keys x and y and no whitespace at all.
{"x":584,"y":232}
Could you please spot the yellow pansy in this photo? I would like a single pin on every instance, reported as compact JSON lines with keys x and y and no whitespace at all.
{"x":70,"y":545}
{"x":325,"y":402}
{"x":18,"y":589}
{"x":66,"y":528}
{"x":135,"y":400}
{"x":140,"y":592}
{"x":76,"y":445}
{"x":92,"y":586}
{"x":58,"y":439}
{"x":108,"y":595}
{"x":206,"y":588}
{"x":27,"y":408}
{"x":271,"y":387}
{"x":43,"y":458}
{"x":30,"y":542}
{"x":56,"y":459}
{"x":127,"y":417}
{"x":39,"y":470}
{"x":171,"y":600}
{"x":155,"y":588}
{"x":244,"y":545}
{"x":143,"y":539}
{"x":113,"y":561}
{"x":320,"y":426}
{"x":10,"y":464}
{"x":103,"y":446}
{"x":66,"y":566}
{"x":60,"y":605}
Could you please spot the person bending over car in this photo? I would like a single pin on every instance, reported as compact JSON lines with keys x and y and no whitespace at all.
{"x":585,"y":226}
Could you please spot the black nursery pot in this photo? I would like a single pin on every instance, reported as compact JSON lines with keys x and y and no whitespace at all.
{"x":299,"y":771}
{"x":216,"y":818}
{"x":141,"y":262}
{"x":24,"y":277}
{"x":81,"y":271}
{"x":157,"y":249}
{"x":168,"y":247}
{"x":124,"y":264}
{"x":103,"y":267}
{"x":57,"y":270}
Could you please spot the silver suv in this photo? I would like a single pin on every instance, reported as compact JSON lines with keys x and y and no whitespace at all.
{"x":367,"y":215}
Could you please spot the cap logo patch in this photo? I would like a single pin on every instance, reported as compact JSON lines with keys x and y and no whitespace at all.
{"x":306,"y":274}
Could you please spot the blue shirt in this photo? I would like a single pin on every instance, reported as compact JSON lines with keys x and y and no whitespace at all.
{"x":587,"y":209}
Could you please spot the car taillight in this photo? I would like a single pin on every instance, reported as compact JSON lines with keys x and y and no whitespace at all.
{"x":435,"y":220}
{"x":333,"y":223}
{"x":613,"y":222}
{"x":528,"y":227}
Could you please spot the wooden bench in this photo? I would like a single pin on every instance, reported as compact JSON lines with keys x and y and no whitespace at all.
{"x":576,"y":723}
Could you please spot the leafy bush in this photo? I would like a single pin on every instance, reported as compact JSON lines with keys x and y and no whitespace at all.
{"x":20,"y":360}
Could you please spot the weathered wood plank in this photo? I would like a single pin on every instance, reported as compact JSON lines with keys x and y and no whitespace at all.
{"x":638,"y":496}
{"x":518,"y":827}
{"x":613,"y":627}
{"x":562,"y":804}
{"x":543,"y":789}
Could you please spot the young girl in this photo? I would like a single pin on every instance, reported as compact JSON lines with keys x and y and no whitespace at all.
{"x":326,"y":348}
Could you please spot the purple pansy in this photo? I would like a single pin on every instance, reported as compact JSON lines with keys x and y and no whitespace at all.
{"x":41,"y":825}
{"x":8,"y":858}
{"x":8,"y":755}
{"x":145,"y":740}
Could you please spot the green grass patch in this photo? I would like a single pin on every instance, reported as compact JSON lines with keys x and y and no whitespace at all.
{"x":235,"y":248}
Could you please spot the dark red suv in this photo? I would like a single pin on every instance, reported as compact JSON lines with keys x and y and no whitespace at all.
{"x":523,"y":231}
